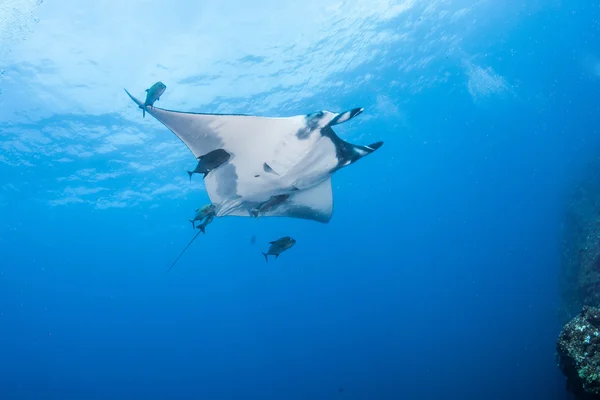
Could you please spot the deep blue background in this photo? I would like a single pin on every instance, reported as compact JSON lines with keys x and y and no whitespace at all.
{"x":436,"y":278}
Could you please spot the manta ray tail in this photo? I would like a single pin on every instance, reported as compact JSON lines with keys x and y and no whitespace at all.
{"x":202,"y":228}
{"x":183,"y":251}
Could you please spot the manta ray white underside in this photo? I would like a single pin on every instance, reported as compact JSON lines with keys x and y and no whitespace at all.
{"x":278,"y":166}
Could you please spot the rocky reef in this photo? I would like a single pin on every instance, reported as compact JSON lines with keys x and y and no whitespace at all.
{"x":578,"y":350}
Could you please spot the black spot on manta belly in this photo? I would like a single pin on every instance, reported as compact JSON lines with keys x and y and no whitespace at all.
{"x":226,"y":179}
{"x":306,"y":212}
{"x":312,"y":123}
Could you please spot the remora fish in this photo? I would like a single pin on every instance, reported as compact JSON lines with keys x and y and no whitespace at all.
{"x":201,"y":213}
{"x":153,"y":94}
{"x":208,"y":220}
{"x":270,"y":204}
{"x":210,"y":161}
{"x":279,"y":246}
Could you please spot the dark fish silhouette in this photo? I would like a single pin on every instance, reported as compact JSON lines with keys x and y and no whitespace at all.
{"x":210,"y":161}
{"x":253,"y":239}
{"x":208,"y":220}
{"x":270,"y":204}
{"x":207,"y":211}
{"x":153,"y":94}
{"x":279,"y":246}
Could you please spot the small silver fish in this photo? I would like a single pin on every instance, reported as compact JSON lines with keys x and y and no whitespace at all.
{"x":201,"y":213}
{"x":210,"y":161}
{"x":279,"y":246}
{"x":153,"y":94}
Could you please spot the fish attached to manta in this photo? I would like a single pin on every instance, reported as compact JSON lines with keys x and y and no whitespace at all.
{"x":210,"y":161}
{"x":282,"y":165}
{"x":270,"y":204}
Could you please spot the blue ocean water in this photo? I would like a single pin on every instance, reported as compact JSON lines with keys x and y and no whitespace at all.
{"x":438,"y":274}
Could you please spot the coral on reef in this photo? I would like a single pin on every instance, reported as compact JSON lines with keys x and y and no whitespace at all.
{"x":578,"y":349}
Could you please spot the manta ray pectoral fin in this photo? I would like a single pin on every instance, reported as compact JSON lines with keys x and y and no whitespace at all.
{"x":345,"y":116}
{"x":136,"y":101}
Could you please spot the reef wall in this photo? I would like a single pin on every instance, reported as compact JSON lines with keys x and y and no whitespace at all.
{"x":580,"y":270}
{"x":578,"y":344}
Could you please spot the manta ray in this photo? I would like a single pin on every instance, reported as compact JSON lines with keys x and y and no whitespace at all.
{"x":277,"y":166}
